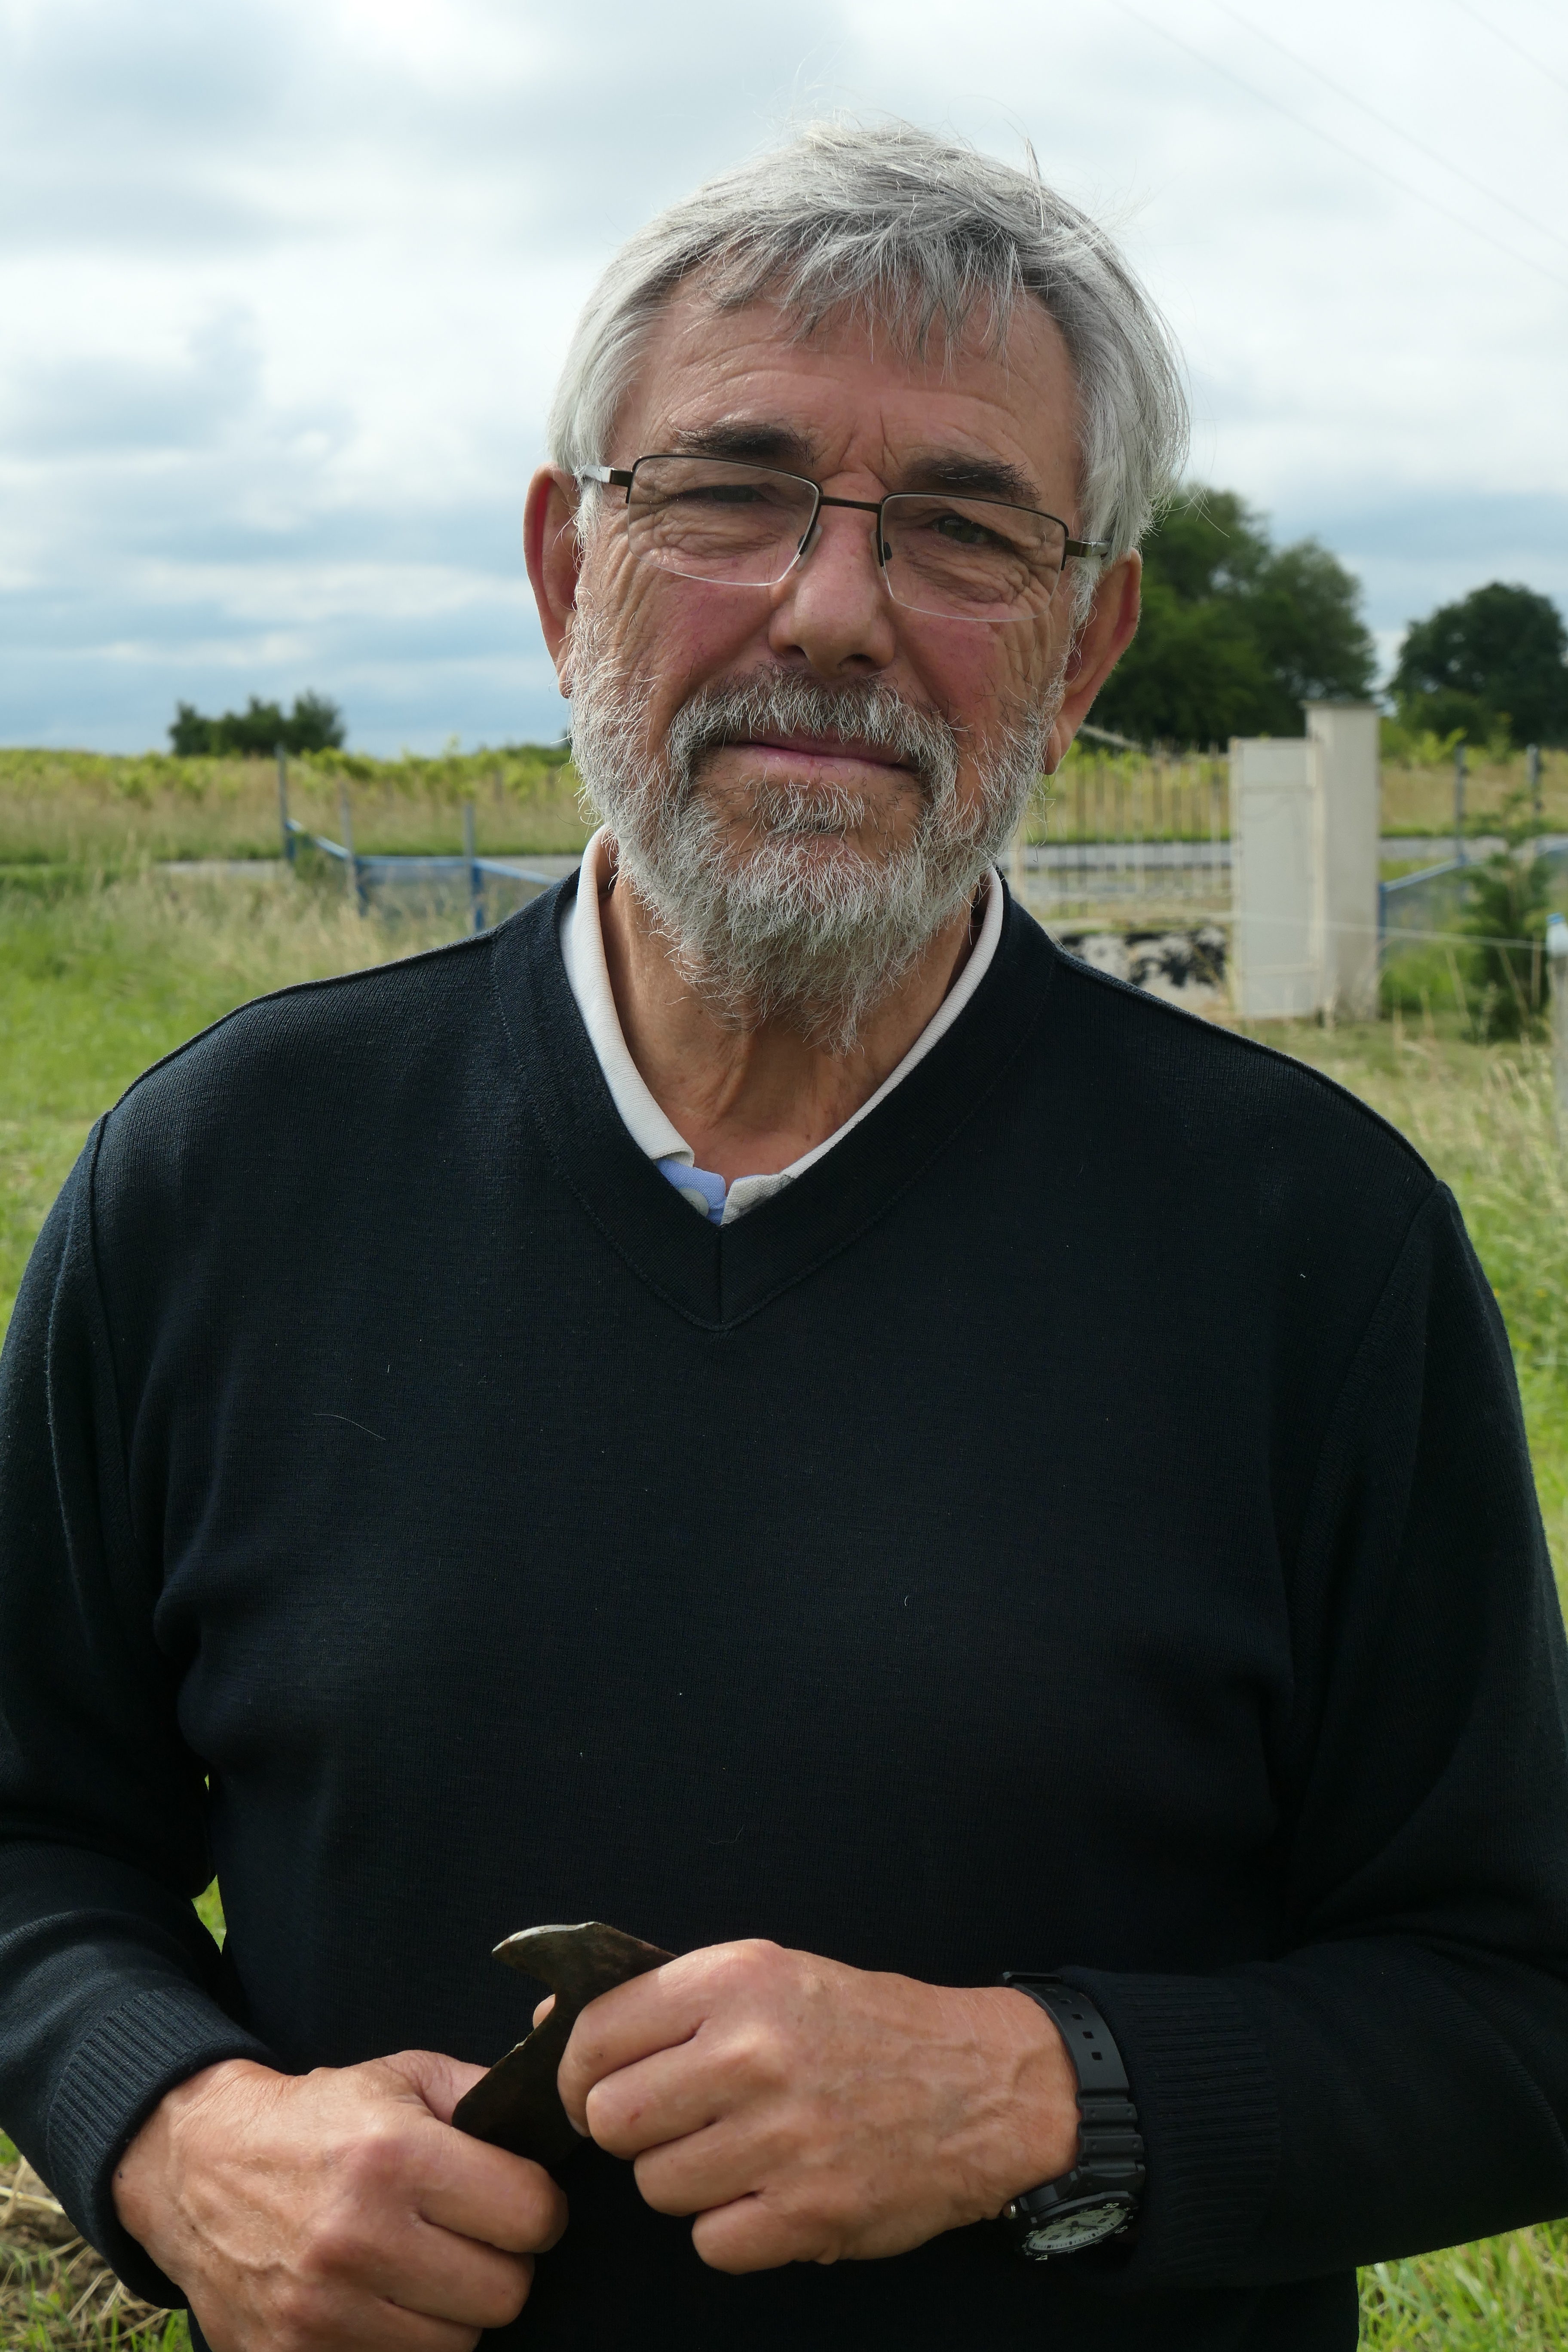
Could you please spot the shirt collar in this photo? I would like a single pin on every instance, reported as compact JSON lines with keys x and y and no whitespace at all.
{"x":651,"y":1129}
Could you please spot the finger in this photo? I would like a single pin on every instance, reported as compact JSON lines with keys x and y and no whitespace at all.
{"x":439,"y":2276}
{"x":384,"y":2329}
{"x":661,"y":2098}
{"x":709,"y":2168}
{"x":751,"y":2234}
{"x":349,"y":2322}
{"x":363,"y":2251}
{"x":543,"y":2010}
{"x":655,"y":2012}
{"x":486,"y":2193}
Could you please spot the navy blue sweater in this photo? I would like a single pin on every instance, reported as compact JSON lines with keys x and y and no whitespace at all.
{"x":1083,"y":1523}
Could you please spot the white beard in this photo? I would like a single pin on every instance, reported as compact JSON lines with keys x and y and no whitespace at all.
{"x":780,"y":931}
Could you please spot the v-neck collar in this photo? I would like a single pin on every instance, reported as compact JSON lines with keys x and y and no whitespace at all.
{"x":719,"y":1275}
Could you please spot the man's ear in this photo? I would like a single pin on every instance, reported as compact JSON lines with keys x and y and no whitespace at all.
{"x":1100,"y":644}
{"x":554,"y":558}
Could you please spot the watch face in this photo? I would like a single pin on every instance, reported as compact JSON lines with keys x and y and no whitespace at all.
{"x":1087,"y":2225}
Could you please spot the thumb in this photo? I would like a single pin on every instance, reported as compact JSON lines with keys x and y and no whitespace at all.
{"x":435,"y":2081}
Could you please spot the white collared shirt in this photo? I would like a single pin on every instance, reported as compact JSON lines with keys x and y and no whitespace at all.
{"x":650,"y":1128}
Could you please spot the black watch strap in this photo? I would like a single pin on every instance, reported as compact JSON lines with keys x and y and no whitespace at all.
{"x":1099,"y":2197}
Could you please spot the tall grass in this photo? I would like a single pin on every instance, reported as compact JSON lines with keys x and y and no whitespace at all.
{"x":84,"y":810}
{"x":1418,"y":788}
{"x":96,"y":810}
{"x":1509,"y":2292}
{"x":1482,"y":1117}
{"x":1099,"y":792}
{"x":99,"y":980}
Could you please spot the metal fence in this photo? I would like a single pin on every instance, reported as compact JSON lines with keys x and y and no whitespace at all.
{"x":1429,"y":908}
{"x":1130,"y":838}
{"x":1127,"y":857}
{"x":483,"y":890}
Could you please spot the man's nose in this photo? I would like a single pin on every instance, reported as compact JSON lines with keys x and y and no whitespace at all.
{"x":833,"y":609}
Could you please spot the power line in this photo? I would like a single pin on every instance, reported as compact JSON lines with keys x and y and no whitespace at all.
{"x":1509,"y":42}
{"x":1420,"y":145}
{"x":1419,"y":194}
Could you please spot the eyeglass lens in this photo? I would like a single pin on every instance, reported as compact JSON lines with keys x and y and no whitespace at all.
{"x":741,"y":526}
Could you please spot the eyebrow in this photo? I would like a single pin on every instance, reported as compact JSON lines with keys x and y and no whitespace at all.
{"x":754,"y":441}
{"x":762,"y":441}
{"x":967,"y":474}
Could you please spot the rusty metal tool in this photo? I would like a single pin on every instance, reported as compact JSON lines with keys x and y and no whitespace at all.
{"x":516,"y":2105}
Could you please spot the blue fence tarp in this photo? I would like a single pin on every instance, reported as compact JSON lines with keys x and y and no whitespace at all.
{"x":405,"y":884}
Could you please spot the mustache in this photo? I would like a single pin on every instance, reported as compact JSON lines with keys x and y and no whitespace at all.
{"x":864,"y":710}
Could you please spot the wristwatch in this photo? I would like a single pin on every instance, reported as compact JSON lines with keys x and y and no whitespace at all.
{"x":1099,"y":2197}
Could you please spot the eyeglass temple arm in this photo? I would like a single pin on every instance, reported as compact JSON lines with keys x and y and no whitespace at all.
{"x":616,"y":477}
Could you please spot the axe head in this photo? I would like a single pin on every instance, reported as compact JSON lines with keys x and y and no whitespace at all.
{"x":516,"y":2105}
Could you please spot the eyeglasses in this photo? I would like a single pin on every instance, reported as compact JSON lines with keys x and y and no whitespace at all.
{"x":741,"y":526}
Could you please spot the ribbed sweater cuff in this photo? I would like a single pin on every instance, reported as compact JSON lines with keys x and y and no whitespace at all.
{"x":113,"y":2081}
{"x":1208,"y":2112}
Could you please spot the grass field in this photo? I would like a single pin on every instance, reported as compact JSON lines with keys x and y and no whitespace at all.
{"x":1418,"y":790}
{"x":63,"y":810}
{"x":99,"y":980}
{"x":87,"y":810}
{"x":99,"y":977}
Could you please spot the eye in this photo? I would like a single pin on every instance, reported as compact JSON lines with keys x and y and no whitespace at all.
{"x":725,"y":495}
{"x":962,"y":531}
{"x":719,"y":494}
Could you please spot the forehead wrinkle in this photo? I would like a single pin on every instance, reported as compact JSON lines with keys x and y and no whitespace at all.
{"x":750,"y":420}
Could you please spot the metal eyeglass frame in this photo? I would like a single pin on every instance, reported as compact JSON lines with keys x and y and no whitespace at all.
{"x":623,"y":476}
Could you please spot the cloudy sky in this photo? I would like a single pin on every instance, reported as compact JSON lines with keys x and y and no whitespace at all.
{"x":285,"y":285}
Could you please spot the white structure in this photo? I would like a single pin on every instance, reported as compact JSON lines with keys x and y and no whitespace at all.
{"x":1304,"y":831}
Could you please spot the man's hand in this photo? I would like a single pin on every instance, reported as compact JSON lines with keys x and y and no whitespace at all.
{"x":335,"y":2209}
{"x":805,"y":2111}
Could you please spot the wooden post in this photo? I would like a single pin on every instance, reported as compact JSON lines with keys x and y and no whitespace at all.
{"x":283,"y":803}
{"x":476,"y":879}
{"x":351,"y":863}
{"x":1557,"y":957}
{"x":1532,"y":770}
{"x":1459,"y":803}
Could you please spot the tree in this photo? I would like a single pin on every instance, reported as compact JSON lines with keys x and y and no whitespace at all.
{"x":1237,"y":634}
{"x":1495,"y":662}
{"x":314,"y":725}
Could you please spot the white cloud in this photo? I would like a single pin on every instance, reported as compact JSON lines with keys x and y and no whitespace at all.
{"x":287,"y":286}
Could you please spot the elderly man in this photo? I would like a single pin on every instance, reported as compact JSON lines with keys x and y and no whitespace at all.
{"x":763,"y":1403}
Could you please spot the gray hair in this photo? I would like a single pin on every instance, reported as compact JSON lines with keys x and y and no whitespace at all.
{"x":906,"y":228}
